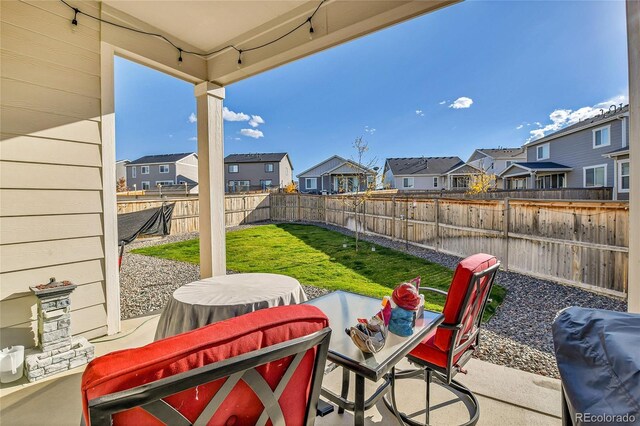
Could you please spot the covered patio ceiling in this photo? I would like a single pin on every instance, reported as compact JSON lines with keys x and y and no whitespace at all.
{"x":209,"y":29}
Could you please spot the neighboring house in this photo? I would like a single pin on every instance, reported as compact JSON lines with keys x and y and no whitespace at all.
{"x":244,"y":172}
{"x":585,"y":155}
{"x":121,"y":170}
{"x":494,"y":160}
{"x":621,"y":177}
{"x":419,"y":173}
{"x":459,"y":177}
{"x":166,"y":169}
{"x":335,"y":175}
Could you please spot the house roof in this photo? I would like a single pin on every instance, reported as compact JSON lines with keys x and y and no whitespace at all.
{"x":535,"y":166}
{"x":497,"y":152}
{"x":463,"y":169}
{"x":422,"y":165}
{"x":161,"y":158}
{"x":584,"y":124}
{"x":255,"y":157}
{"x":617,"y":152}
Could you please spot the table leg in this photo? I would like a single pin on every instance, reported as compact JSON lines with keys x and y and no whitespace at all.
{"x":345,"y":387}
{"x":358,"y":412}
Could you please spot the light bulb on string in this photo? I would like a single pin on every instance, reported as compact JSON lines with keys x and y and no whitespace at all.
{"x":74,"y":21}
{"x":179,"y":57}
{"x":311,"y":31}
{"x":239,"y":59}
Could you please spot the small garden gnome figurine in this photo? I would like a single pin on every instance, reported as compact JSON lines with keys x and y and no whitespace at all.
{"x":407,"y":301}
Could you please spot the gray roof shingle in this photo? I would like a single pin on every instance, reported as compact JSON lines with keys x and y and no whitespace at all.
{"x":161,"y":158}
{"x":254,"y":157}
{"x":422,"y":165}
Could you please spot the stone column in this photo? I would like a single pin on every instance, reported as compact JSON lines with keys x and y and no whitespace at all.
{"x":213,"y":259}
{"x":57,"y":351}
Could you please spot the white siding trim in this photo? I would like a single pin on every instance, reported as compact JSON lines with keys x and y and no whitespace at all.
{"x":619,"y":175}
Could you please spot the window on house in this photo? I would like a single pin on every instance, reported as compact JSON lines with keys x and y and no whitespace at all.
{"x":551,"y":181}
{"x":144,"y":170}
{"x":461,"y":181}
{"x":595,"y":175}
{"x":268,"y":167}
{"x":233,"y":168}
{"x":164,"y":168}
{"x":239,"y":185}
{"x":542,"y":152}
{"x":601,"y":137}
{"x":266,"y":183}
{"x":517,"y":183}
{"x":133,"y":172}
{"x":508,"y":163}
{"x":407,"y":182}
{"x":623,"y":176}
{"x":435,"y":182}
{"x":370,"y":182}
{"x":311,"y":183}
{"x":145,"y":185}
{"x":164,"y":182}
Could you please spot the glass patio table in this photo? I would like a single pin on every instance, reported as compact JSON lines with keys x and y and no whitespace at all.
{"x":343,"y":309}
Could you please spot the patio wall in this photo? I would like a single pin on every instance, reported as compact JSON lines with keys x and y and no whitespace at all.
{"x":51,"y":209}
{"x":582,"y":243}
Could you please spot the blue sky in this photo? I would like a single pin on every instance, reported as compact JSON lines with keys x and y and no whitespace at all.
{"x":512,"y":68}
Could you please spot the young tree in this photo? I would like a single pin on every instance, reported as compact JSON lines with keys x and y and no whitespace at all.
{"x":291,"y":188}
{"x":350,"y":183}
{"x":121,"y":185}
{"x":481,"y":182}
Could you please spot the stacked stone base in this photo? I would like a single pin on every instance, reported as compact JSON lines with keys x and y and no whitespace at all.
{"x":69,"y":354}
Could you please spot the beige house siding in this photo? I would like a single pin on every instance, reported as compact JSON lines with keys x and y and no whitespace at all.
{"x":51,"y":221}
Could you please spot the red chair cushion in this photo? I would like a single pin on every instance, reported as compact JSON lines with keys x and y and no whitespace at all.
{"x":223,"y":340}
{"x":429,"y":352}
{"x":459,"y":285}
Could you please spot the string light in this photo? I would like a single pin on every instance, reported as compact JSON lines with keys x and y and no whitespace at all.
{"x":76,"y":12}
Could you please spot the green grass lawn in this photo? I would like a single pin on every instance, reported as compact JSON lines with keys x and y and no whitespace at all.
{"x":315,"y":256}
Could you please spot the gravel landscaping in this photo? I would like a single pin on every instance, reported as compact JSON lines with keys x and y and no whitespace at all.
{"x":517,"y":336}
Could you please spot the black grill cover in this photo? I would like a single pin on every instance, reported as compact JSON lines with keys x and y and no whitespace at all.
{"x":598,"y":355}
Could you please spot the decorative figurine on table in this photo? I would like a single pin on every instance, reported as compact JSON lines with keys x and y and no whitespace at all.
{"x":406,"y":304}
{"x":370,"y":335}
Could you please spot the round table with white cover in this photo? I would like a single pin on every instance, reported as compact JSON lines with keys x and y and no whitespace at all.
{"x":214,"y":299}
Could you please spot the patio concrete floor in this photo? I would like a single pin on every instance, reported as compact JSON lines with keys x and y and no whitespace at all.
{"x":506,"y":396}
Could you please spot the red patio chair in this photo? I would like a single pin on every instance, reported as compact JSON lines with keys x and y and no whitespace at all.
{"x":260,"y":367}
{"x":445,"y":351}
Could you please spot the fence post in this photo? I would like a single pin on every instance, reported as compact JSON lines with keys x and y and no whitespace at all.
{"x":344,"y":206}
{"x":393,"y":218}
{"x":324,"y":201}
{"x":244,"y":208}
{"x":299,"y":209}
{"x":406,"y":224}
{"x":505,"y":225}
{"x":364,"y":216}
{"x":437,"y":218}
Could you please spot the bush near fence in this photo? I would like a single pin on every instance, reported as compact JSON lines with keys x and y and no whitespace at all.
{"x":582,"y":243}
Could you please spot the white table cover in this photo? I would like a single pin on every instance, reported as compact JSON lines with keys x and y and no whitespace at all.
{"x":203,"y":302}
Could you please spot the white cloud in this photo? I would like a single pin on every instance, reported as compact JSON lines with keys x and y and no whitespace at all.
{"x":462,"y":102}
{"x":193,"y":138}
{"x":443,"y":102}
{"x":520,"y":127}
{"x":369,"y":130}
{"x":193,"y":118}
{"x":255,"y":121}
{"x":252,"y":133}
{"x":229,"y":115}
{"x":420,"y":112}
{"x":237,"y":139}
{"x":561,"y":118}
{"x":170,"y":136}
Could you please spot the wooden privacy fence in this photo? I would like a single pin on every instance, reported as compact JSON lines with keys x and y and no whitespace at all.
{"x":239,"y":209}
{"x":583,"y":243}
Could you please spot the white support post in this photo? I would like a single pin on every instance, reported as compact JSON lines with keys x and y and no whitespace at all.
{"x":209,"y":99}
{"x":633,"y":43}
{"x":109,"y":199}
